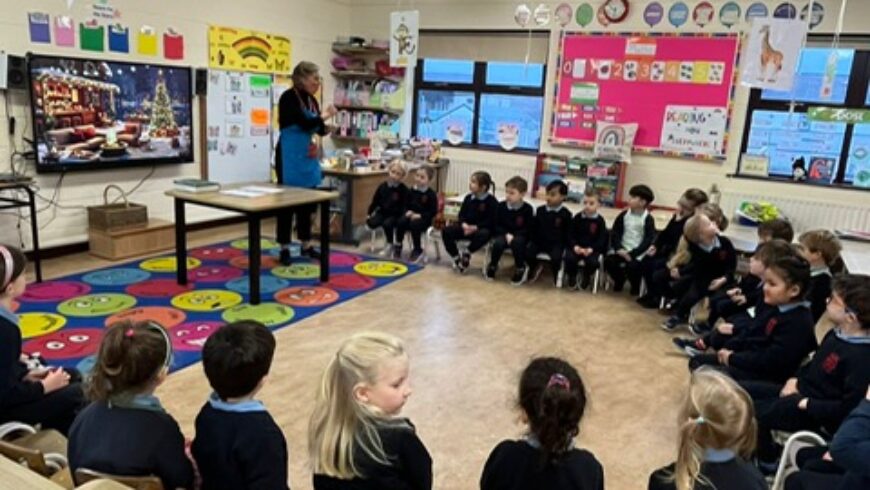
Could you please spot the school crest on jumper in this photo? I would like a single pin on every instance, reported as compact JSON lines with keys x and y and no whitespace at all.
{"x":593,"y":227}
{"x":771,"y":324}
{"x":830,"y":363}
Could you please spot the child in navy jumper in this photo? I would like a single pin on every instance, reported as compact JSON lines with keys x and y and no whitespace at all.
{"x":586,"y":243}
{"x":822,"y":250}
{"x":515,"y":220}
{"x":388,"y":204}
{"x":553,"y":399}
{"x":775,"y":229}
{"x":779,"y":339}
{"x":477,"y":220}
{"x":238,"y":445}
{"x":50,"y":397}
{"x":550,"y":234}
{"x":711,"y":267}
{"x":666,"y":242}
{"x":125,"y":431}
{"x":831,"y":385}
{"x":632,"y":234}
{"x":420,"y":209}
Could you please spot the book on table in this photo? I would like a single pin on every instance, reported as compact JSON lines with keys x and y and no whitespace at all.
{"x":196,"y":185}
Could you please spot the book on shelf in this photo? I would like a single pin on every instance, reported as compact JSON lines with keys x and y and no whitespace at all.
{"x":196,"y":185}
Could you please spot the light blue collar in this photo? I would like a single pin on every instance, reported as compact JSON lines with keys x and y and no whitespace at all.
{"x":718,"y":455}
{"x":590,"y":216}
{"x":790,"y":306}
{"x":851,"y":339}
{"x":515,"y":207}
{"x":556,"y":209}
{"x":480,"y":197}
{"x":137,"y":402}
{"x":393,"y":185}
{"x":532,"y":440}
{"x":713,"y":246}
{"x":818,"y":271}
{"x":8,"y":316}
{"x":421,"y":189}
{"x":240,"y":407}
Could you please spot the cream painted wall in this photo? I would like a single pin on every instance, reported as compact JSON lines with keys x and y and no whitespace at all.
{"x":667,"y":176}
{"x":311,"y":25}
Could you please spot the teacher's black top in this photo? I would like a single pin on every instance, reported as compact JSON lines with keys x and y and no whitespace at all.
{"x":291,"y":111}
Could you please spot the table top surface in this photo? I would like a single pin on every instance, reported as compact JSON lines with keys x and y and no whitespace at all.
{"x":15,"y":184}
{"x":288,"y":197}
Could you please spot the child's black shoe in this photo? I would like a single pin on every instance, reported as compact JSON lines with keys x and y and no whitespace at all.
{"x":672,"y":323}
{"x":284,"y":257}
{"x":489,"y":273}
{"x":520,"y":276}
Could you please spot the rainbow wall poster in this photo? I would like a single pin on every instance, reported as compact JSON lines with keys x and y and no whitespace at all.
{"x":230,"y":48}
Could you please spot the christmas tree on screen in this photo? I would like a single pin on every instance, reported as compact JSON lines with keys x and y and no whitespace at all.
{"x":162,"y":119}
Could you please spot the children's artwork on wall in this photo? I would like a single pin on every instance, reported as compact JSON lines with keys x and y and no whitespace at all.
{"x":703,"y":14}
{"x":542,"y":15}
{"x":785,"y":10}
{"x":613,"y":142}
{"x":405,"y":37}
{"x":678,"y":14}
{"x":522,"y":15}
{"x":653,"y":14}
{"x":173,"y":44}
{"x":92,"y":36}
{"x":64,"y":31}
{"x":508,"y":135}
{"x":584,"y":15}
{"x":231,"y":48}
{"x":772,"y":53}
{"x":757,"y":10}
{"x":119,"y":38}
{"x":40,"y":27}
{"x":817,"y":16}
{"x":564,"y":13}
{"x":147,"y":41}
{"x":729,"y":14}
{"x":698,"y":130}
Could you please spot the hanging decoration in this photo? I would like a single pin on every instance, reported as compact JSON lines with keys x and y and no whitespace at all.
{"x":785,"y":10}
{"x":542,"y":15}
{"x":522,"y":15}
{"x":564,"y":13}
{"x":584,"y":15}
{"x":772,"y":52}
{"x":703,"y":14}
{"x":817,"y":16}
{"x":678,"y":14}
{"x":615,"y":11}
{"x":653,"y":14}
{"x":729,"y":14}
{"x":404,"y":38}
{"x":757,"y":10}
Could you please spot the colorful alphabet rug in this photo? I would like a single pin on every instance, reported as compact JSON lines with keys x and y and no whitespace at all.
{"x":62,"y":320}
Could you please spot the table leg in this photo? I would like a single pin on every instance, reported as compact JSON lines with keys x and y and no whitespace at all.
{"x":254,"y":257}
{"x":180,"y":243}
{"x":324,"y":241}
{"x":347,"y":218}
{"x":34,"y":233}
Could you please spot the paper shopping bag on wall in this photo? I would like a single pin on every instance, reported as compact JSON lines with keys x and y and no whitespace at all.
{"x":147,"y":41}
{"x":92,"y":36}
{"x":119,"y":39}
{"x":64,"y":32}
{"x":173,"y":45}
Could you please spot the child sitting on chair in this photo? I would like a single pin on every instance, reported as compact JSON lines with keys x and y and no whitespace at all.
{"x":477,"y":220}
{"x":822,"y":250}
{"x":550,"y":234}
{"x":515,"y":220}
{"x":388,"y":205}
{"x":420,"y":210}
{"x":775,"y":229}
{"x":631,"y":235}
{"x":586,"y":243}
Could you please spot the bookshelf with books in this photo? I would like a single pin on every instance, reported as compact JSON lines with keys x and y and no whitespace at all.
{"x":580,"y":173}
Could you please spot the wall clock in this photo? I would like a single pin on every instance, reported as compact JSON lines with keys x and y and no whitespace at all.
{"x":615,"y":11}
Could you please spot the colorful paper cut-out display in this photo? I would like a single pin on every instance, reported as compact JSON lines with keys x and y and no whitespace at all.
{"x":147,"y":41}
{"x":64,"y":31}
{"x":119,"y":39}
{"x":92,"y":36}
{"x":173,"y":45}
{"x":40,"y":27}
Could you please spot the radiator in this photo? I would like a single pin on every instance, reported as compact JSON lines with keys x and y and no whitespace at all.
{"x":808,"y":214}
{"x":460,"y":170}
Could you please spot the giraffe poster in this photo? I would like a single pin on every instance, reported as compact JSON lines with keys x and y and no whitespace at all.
{"x":771,"y":55}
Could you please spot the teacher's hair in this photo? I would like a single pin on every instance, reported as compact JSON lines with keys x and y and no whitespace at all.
{"x":304,"y":70}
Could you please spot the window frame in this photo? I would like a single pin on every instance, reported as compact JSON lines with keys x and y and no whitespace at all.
{"x":479,"y":87}
{"x":857,"y":93}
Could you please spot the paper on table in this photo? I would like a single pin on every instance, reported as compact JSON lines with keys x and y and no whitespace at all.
{"x":267,"y":190}
{"x":243,"y":192}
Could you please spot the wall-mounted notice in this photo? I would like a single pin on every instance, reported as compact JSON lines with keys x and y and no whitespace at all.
{"x":230,"y":48}
{"x":697,"y":130}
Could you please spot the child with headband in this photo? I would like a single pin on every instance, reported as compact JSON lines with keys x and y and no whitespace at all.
{"x":125,"y":431}
{"x":552,"y":399}
{"x":43,"y":396}
{"x":716,"y":438}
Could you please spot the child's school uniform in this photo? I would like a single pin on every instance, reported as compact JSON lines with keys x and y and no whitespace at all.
{"x":518,"y":465}
{"x":834,"y":382}
{"x":634,"y":233}
{"x":410,"y":468}
{"x":819,"y":291}
{"x":25,"y":401}
{"x":666,"y":244}
{"x":480,"y":210}
{"x":722,"y":306}
{"x":239,"y":446}
{"x":518,"y":221}
{"x":586,"y":232}
{"x":420,"y":201}
{"x":708,"y":263}
{"x":721,"y":469}
{"x":550,"y":235}
{"x":388,"y":205}
{"x":130,"y":437}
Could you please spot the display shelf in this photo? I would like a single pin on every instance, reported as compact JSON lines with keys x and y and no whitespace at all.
{"x":387,"y":110}
{"x":348,"y":49}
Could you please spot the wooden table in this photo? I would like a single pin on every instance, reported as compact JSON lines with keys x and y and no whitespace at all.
{"x":255,"y":209}
{"x":13,"y":202}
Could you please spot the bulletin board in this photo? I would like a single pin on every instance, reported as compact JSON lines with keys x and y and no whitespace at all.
{"x":678,"y":88}
{"x":239,"y":126}
{"x":231,"y":48}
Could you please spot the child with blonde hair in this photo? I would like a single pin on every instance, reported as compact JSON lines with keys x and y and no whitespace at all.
{"x":388,"y":205}
{"x":716,"y":438}
{"x":356,"y":439}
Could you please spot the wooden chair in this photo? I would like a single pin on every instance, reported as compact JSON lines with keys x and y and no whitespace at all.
{"x":43,"y":452}
{"x":150,"y":482}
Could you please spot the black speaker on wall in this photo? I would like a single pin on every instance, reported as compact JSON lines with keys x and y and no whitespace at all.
{"x":16,"y":72}
{"x":200,"y":81}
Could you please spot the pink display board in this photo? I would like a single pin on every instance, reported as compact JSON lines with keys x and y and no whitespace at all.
{"x":678,"y":88}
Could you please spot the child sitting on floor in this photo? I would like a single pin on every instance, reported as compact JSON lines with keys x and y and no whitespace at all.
{"x":632,"y":234}
{"x":550,"y":234}
{"x":552,"y":399}
{"x":586,"y":243}
{"x":477,"y":220}
{"x":388,"y":205}
{"x":515,"y":220}
{"x":125,"y":431}
{"x":822,"y":250}
{"x":238,"y":445}
{"x":716,"y":439}
{"x":356,"y":439}
{"x":420,"y":210}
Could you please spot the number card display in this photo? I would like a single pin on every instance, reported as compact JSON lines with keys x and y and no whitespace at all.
{"x":677,"y":87}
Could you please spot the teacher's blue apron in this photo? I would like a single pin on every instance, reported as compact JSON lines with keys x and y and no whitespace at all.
{"x":300,"y":166}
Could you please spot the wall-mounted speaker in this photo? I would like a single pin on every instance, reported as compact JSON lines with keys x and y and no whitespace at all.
{"x":13,"y":76}
{"x":200,"y":84}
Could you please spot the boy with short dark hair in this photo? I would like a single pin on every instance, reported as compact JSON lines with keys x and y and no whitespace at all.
{"x":550,"y":235}
{"x":515,"y":220}
{"x":822,"y":249}
{"x":588,"y":240}
{"x":238,"y":445}
{"x":775,"y":229}
{"x":632,"y":234}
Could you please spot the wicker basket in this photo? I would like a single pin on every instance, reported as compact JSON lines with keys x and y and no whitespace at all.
{"x":116,"y":216}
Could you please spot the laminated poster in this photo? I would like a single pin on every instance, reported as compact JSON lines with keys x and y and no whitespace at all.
{"x":64,"y":31}
{"x":173,"y":45}
{"x":92,"y":36}
{"x":40,"y":27}
{"x":147,"y":41}
{"x":697,"y":130}
{"x":771,"y":54}
{"x":231,"y":48}
{"x":119,"y":39}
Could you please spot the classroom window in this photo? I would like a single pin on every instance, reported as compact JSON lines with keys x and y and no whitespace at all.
{"x":778,"y":128}
{"x":476,"y":104}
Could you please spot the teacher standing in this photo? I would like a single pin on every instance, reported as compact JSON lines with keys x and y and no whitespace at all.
{"x":297,"y":160}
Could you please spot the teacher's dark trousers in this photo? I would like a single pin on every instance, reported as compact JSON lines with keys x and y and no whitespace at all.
{"x":284,"y":227}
